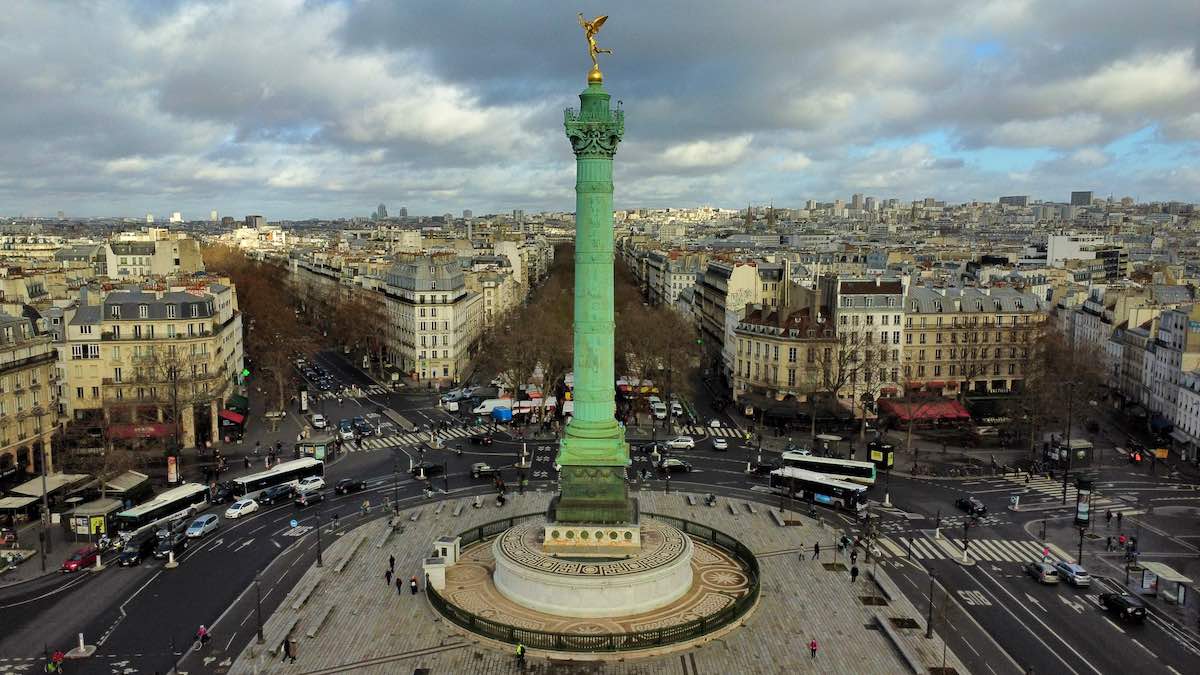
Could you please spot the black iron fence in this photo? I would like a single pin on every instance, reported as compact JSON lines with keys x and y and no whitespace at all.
{"x":610,"y":642}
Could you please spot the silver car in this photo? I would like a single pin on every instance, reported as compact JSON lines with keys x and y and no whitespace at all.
{"x":1074,"y":574}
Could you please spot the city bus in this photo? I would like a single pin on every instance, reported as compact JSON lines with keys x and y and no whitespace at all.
{"x":841,"y":469}
{"x":179,"y":502}
{"x":248,"y":487}
{"x":819,"y":488}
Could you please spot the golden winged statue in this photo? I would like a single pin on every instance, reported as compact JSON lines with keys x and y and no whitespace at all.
{"x":590,"y":28}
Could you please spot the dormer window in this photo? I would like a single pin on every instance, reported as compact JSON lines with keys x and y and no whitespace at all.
{"x":143,"y":311}
{"x":171,"y":309}
{"x":115,"y":311}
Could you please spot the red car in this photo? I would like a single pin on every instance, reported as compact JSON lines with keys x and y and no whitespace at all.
{"x":81,"y":559}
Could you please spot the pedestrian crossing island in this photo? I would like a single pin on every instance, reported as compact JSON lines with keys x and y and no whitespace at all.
{"x":980,"y":550}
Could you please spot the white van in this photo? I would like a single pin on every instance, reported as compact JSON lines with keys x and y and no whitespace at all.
{"x":659,"y":410}
{"x":486,"y":407}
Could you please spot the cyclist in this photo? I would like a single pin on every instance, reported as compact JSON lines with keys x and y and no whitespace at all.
{"x":202,"y":635}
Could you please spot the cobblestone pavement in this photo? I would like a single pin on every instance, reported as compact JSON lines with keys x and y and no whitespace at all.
{"x":345,"y":618}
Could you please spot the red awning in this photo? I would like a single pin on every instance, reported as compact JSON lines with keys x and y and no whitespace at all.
{"x":935,"y":384}
{"x":232,"y":416}
{"x":123,"y":431}
{"x":887,"y":390}
{"x":923,"y":409}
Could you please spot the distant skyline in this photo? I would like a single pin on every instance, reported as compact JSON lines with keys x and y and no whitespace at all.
{"x":295,"y":109}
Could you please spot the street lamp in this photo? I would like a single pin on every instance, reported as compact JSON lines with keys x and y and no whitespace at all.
{"x":258,"y":607}
{"x":320,"y":562}
{"x":1082,"y":530}
{"x":395,"y":485}
{"x":929,"y":613}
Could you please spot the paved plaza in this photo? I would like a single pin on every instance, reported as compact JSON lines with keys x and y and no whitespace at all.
{"x":344,"y":618}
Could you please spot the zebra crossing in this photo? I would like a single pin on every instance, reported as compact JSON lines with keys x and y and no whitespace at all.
{"x":980,"y":550}
{"x":1050,"y":491}
{"x":724,"y":432}
{"x":352,"y":392}
{"x":414,"y":438}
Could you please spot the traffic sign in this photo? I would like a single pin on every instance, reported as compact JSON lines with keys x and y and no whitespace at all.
{"x":293,"y":522}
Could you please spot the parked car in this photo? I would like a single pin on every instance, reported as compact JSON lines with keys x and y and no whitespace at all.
{"x":672,"y":465}
{"x":480,"y":469}
{"x":242,"y":507}
{"x":681,"y":443}
{"x":1074,"y":574}
{"x":971,"y":505}
{"x":176,"y":543}
{"x":81,"y":559}
{"x":347,"y":485}
{"x":139,"y":547}
{"x":1126,"y":606}
{"x":481,"y":439}
{"x":720,"y":443}
{"x":1043,"y":572}
{"x":361,"y":426}
{"x":203,"y":525}
{"x":310,"y":484}
{"x":304,"y":499}
{"x":428,"y":468}
{"x":319,"y":421}
{"x":276,"y":493}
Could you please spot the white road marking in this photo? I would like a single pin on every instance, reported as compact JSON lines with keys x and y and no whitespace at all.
{"x":1114,"y":625}
{"x":1134,"y":641}
{"x":1035,"y":601}
{"x":244,"y":545}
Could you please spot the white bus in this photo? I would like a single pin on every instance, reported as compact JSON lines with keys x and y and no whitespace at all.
{"x":280,"y":474}
{"x":179,"y":502}
{"x":819,"y":488}
{"x":842,"y":469}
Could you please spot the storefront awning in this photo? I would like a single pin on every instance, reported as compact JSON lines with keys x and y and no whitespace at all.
{"x":54,"y":482}
{"x":124,"y":431}
{"x":935,"y":384}
{"x":233,"y":416}
{"x":923,"y":409}
{"x":1180,"y":436}
{"x":16,"y":503}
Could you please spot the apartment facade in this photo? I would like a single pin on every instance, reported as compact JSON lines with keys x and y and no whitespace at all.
{"x":869,"y":316}
{"x":28,"y":397}
{"x":782,"y":353}
{"x":434,"y":320}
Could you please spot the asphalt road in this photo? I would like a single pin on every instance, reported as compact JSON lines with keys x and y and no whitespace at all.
{"x":143,"y":619}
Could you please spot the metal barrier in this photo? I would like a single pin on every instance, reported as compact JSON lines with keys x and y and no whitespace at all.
{"x":610,"y":642}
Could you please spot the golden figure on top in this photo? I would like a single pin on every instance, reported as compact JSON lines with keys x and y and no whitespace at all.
{"x":590,"y":28}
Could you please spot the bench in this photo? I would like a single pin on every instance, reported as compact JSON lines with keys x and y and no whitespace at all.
{"x":349,"y":556}
{"x":775,"y":515}
{"x":750,"y":508}
{"x":691,"y":500}
{"x":321,"y":619}
{"x":289,"y":628}
{"x":438,"y":510}
{"x":416,"y":515}
{"x":458,"y":509}
{"x":732,"y":510}
{"x":910,"y":657}
{"x":478,"y":502}
{"x":387,"y":534}
{"x":304,"y":596}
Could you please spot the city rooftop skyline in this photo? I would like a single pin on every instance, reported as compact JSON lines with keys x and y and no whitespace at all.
{"x":298,"y":110}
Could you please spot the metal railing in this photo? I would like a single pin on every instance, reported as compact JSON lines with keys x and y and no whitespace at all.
{"x":607,"y":642}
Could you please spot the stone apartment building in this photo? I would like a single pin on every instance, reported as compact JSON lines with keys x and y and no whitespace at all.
{"x":724,"y":291}
{"x":869,"y":314}
{"x":155,"y":252}
{"x":782,"y":352}
{"x":129,"y":363}
{"x":969,"y":339}
{"x":28,"y":397}
{"x":434,"y":320}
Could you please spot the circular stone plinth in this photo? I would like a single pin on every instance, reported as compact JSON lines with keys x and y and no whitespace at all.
{"x":658,"y":576}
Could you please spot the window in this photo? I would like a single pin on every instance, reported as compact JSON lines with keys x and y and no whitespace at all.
{"x":791,"y":377}
{"x":774,"y":352}
{"x":922,"y":340}
{"x":908,"y":338}
{"x":137,"y":331}
{"x":870,"y":319}
{"x":77,"y":351}
{"x":1012,"y":369}
{"x":195,"y":310}
{"x":143,"y":311}
{"x":920,"y":371}
{"x":171,"y":309}
{"x":937,"y":370}
{"x":116,"y":374}
{"x":883,"y":320}
{"x":95,"y":392}
{"x":939,"y":338}
{"x":792,"y":354}
{"x":895,"y":337}
{"x":170,"y":327}
{"x":115,"y":311}
{"x":78,"y":392}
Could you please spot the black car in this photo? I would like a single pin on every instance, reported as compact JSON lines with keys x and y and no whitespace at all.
{"x":274,"y":494}
{"x":762,"y":468}
{"x":176,"y":543}
{"x":1127,"y":607}
{"x":347,"y":485}
{"x":221,"y":493}
{"x":674,"y":466}
{"x":481,"y":439}
{"x":429,"y":469}
{"x":651,"y":448}
{"x":309,"y":498}
{"x":138,"y":548}
{"x":971,"y":505}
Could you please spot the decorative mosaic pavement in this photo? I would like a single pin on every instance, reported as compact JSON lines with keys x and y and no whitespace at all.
{"x":661,"y":545}
{"x":718,"y":580}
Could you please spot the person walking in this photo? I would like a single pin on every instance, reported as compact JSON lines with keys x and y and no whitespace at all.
{"x":399,"y":586}
{"x":801,"y":549}
{"x":854,"y":557}
{"x":387,"y":577}
{"x":1108,"y":517}
{"x":812,"y":648}
{"x":413,"y":585}
{"x":392,"y":563}
{"x":854,"y":574}
{"x":366,"y":506}
{"x":1108,"y":543}
{"x":520,"y":651}
{"x":816,"y":551}
{"x":288,"y":652}
{"x":1118,"y":520}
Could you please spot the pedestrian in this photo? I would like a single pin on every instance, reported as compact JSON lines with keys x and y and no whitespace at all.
{"x":392,"y":563}
{"x":247,"y":461}
{"x":854,"y":574}
{"x":1118,"y":520}
{"x":1121,"y":542}
{"x":335,"y":521}
{"x":521,"y":655}
{"x":399,"y":585}
{"x":854,"y":556}
{"x":1108,"y":543}
{"x":816,"y":551}
{"x":413,"y":585}
{"x":387,"y":577}
{"x":801,"y":549}
{"x":289,"y":651}
{"x":812,"y":648}
{"x":1108,"y":517}
{"x":366,"y":507}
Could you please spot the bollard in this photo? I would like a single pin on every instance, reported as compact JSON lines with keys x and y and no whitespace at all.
{"x":937,"y":534}
{"x":99,"y":567}
{"x":887,"y":500}
{"x":171,"y":564}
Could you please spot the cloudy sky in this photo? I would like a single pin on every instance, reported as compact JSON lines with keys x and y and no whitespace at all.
{"x":296,"y":109}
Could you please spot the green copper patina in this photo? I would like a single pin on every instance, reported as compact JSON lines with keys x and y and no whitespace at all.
{"x":593,"y":454}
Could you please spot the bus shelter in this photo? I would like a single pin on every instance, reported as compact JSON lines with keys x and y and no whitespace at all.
{"x":92,"y":519}
{"x":1162,"y":580}
{"x":318,"y":446}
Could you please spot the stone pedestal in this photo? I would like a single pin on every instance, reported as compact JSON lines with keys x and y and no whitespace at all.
{"x":435,"y":573}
